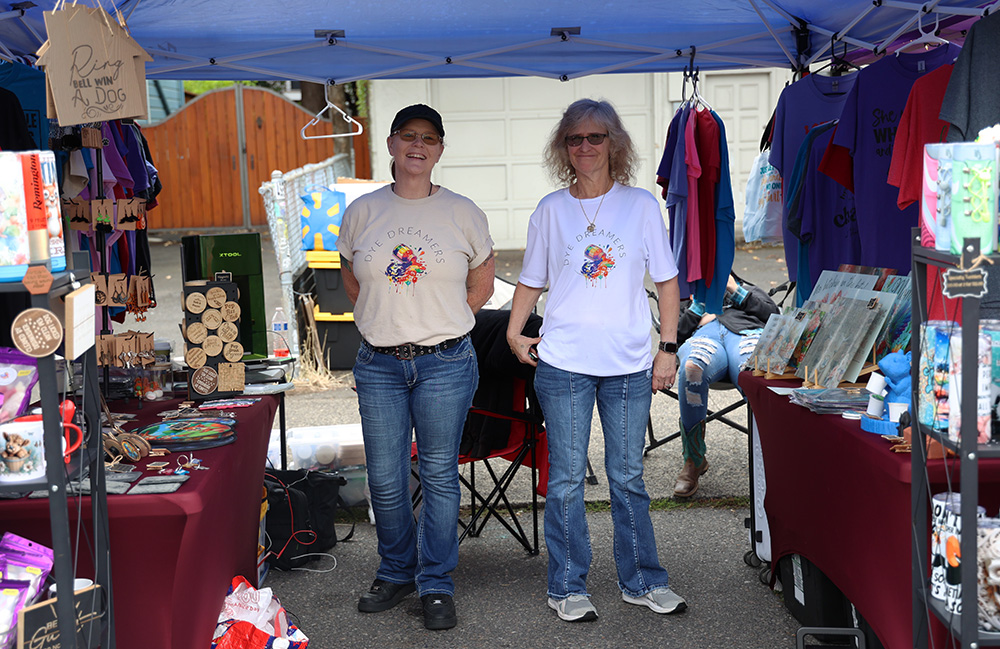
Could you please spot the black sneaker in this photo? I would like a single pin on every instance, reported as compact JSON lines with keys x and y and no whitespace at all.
{"x":439,"y":611}
{"x":383,"y":595}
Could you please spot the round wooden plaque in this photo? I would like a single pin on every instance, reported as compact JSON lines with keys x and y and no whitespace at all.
{"x":228,"y":331}
{"x":231,"y":311}
{"x":212,"y":345}
{"x":195,"y":302}
{"x":204,"y":380}
{"x":36,"y":332}
{"x":196,"y":333}
{"x":216,"y":297}
{"x":233,"y":352}
{"x":195,"y":357}
{"x":211,"y":318}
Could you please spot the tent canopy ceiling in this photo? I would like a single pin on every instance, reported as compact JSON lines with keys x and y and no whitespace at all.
{"x":559,"y":39}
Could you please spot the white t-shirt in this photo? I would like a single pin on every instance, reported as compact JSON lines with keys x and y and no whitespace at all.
{"x":597,"y":317}
{"x":412,"y":259}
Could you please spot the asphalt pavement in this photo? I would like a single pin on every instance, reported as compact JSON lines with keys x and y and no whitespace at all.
{"x":500,"y":589}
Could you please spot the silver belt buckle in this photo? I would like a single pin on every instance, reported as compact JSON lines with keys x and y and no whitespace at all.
{"x":405,"y":352}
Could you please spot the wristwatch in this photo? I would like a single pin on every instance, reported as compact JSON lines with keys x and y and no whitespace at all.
{"x":668,"y":348}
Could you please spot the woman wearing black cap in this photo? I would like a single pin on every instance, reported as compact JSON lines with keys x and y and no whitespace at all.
{"x":418,"y":264}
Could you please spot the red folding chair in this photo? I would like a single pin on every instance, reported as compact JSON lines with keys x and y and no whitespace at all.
{"x":503,"y":432}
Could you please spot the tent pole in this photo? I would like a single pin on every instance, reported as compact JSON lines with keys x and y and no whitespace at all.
{"x":770,"y":29}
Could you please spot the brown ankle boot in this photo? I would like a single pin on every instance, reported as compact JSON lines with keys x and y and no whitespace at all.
{"x":687,"y":480}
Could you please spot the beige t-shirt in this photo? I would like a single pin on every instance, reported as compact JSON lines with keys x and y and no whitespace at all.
{"x":412,"y":260}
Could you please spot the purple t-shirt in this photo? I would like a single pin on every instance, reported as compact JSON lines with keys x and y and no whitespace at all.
{"x":867,"y":129}
{"x":828,"y":216}
{"x":810,"y":101}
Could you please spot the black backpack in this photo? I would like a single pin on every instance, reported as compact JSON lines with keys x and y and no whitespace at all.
{"x":301,"y":514}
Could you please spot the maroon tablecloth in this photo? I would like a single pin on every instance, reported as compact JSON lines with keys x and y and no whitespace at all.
{"x":839,"y":497}
{"x":173,"y":556}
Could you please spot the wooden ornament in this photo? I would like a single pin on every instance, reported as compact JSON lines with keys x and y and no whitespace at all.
{"x":195,"y":358}
{"x":36,"y":332}
{"x":228,"y":331}
{"x":230,"y":311}
{"x":231,"y":377}
{"x":205,"y":380}
{"x":216,"y":297}
{"x":212,"y":346}
{"x":233,"y":352}
{"x":196,"y":302}
{"x":211,"y":318}
{"x":196,"y":333}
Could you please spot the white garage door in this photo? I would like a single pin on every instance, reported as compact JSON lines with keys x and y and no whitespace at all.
{"x":496,"y":130}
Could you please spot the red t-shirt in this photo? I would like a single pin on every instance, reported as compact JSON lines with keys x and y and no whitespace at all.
{"x":918,"y":126}
{"x":707,"y":138}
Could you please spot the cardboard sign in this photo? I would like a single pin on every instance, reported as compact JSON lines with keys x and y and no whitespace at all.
{"x":77,"y":213}
{"x":37,"y":627}
{"x":94,"y":70}
{"x":131,"y":211}
{"x":102,"y":212}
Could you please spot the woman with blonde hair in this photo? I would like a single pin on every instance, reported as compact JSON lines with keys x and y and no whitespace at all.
{"x":592,"y":243}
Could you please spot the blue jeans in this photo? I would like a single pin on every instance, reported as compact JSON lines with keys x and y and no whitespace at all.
{"x":567,"y":401}
{"x":711,"y":354}
{"x":430,"y":394}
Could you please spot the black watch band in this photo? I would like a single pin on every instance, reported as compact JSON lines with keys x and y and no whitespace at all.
{"x":668,"y":348}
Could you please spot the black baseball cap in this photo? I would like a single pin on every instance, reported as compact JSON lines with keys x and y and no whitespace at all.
{"x":417,"y":111}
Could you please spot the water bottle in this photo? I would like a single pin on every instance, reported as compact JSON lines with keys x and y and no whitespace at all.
{"x":279,"y":326}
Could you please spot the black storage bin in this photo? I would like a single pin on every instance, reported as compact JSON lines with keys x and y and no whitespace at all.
{"x":340,"y":339}
{"x":812,"y":598}
{"x":330,"y":294}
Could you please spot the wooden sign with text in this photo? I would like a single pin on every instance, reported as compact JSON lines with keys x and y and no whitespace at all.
{"x":94,"y":70}
{"x":37,"y":627}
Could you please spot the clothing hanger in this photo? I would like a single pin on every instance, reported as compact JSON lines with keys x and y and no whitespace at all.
{"x":696,"y":97}
{"x":838,"y":64}
{"x":315,"y":120}
{"x":927,"y":38}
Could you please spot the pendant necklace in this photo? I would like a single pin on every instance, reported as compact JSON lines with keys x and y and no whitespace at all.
{"x":590,"y":222}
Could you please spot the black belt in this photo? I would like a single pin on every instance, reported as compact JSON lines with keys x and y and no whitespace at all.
{"x":409,"y":350}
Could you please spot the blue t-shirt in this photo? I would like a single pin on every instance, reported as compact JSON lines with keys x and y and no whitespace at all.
{"x":810,"y":101}
{"x":29,"y":86}
{"x":677,"y":194}
{"x":827,"y":211}
{"x":867,"y":129}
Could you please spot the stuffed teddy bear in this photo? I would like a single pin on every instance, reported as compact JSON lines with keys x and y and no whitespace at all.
{"x":896,"y":368}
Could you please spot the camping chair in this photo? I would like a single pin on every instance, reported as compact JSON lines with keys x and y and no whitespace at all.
{"x":719,"y":386}
{"x":504,"y":425}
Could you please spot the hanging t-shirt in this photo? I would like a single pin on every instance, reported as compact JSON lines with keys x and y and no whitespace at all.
{"x":829,"y":226}
{"x":692,"y":242}
{"x":14,"y":132}
{"x":812,"y":100}
{"x":597,"y":318}
{"x":919,"y":125}
{"x":412,"y":259}
{"x":29,"y":86}
{"x":972,"y":101}
{"x":725,"y":230}
{"x":667,"y":159}
{"x":676,"y":202}
{"x":866,"y":130}
{"x":707,"y":136}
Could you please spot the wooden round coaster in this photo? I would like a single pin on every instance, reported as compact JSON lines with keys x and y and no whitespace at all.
{"x":212,"y":345}
{"x":36,"y":332}
{"x":233,"y":352}
{"x":204,"y":380}
{"x":216,"y":297}
{"x":195,"y":357}
{"x":196,"y":333}
{"x":228,"y":331}
{"x":195,"y":302}
{"x":211,"y":318}
{"x":231,"y":311}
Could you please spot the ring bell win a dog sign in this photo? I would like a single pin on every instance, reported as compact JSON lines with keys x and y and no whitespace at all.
{"x":94,"y":71}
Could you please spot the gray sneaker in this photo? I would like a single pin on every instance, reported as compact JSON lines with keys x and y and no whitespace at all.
{"x":575,"y":608}
{"x":660,"y":600}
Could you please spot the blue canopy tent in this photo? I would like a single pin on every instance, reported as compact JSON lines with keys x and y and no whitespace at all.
{"x":559,"y":39}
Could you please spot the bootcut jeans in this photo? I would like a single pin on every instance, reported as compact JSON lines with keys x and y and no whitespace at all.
{"x":567,"y":400}
{"x":431,"y":395}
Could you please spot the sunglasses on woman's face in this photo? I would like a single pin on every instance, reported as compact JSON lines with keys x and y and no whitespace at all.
{"x":429,"y":139}
{"x":593,"y":138}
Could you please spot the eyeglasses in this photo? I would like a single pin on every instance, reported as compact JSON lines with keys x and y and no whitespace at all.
{"x":429,"y":139}
{"x":593,"y":138}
